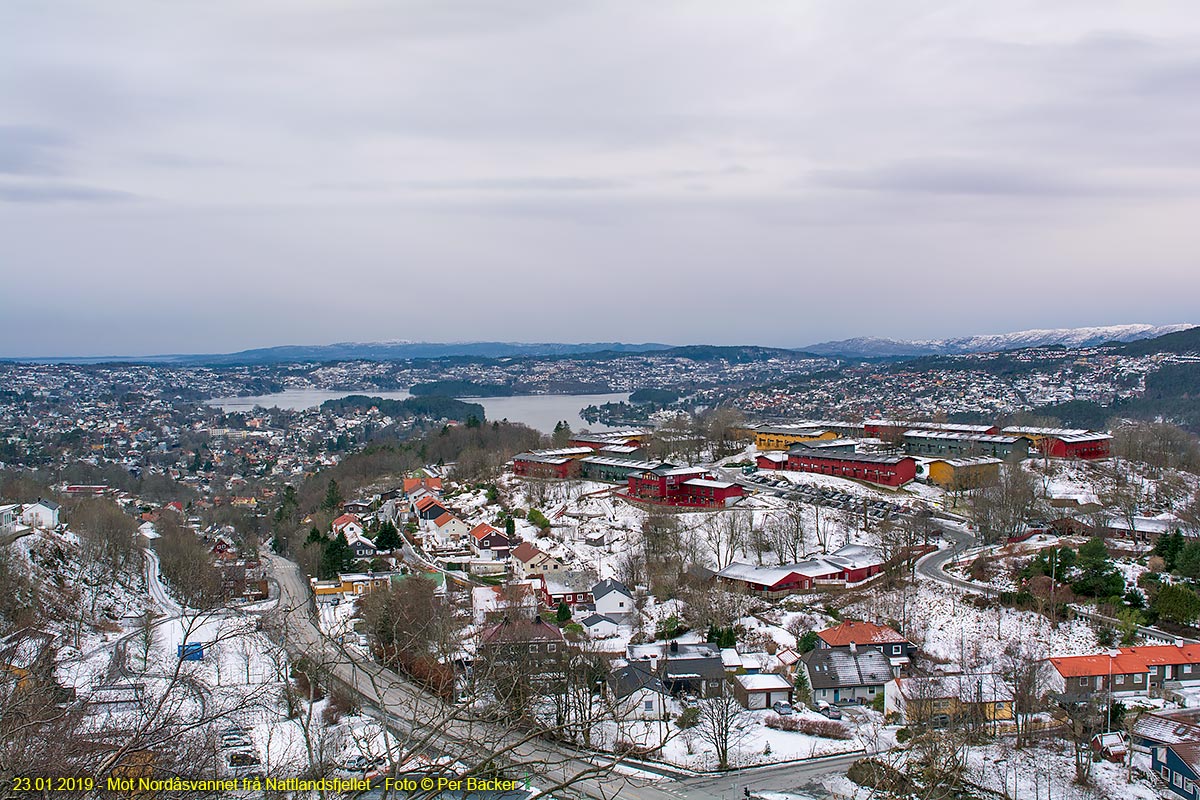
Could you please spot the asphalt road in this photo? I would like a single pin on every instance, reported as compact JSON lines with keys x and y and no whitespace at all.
{"x":445,"y":728}
{"x":933,"y":566}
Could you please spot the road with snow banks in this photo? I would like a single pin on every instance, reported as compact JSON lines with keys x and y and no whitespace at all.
{"x":429,"y":723}
{"x":933,"y":566}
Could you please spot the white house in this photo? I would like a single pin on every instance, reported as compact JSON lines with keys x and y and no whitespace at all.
{"x":42,"y":514}
{"x":449,"y":530}
{"x":599,"y":626}
{"x":639,"y":694}
{"x":613,"y":599}
{"x":518,"y":599}
{"x":8,"y":518}
{"x":528,"y":560}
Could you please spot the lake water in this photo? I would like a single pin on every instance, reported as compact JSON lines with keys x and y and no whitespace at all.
{"x":294,"y":399}
{"x":540,"y":411}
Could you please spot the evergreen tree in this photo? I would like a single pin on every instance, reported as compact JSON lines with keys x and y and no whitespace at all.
{"x":336,"y":556}
{"x":1098,"y":577}
{"x":803,"y":691}
{"x":333,"y":497}
{"x":1176,"y":603}
{"x":1168,"y":548}
{"x":388,"y":537}
{"x":510,"y":526}
{"x":1187,"y":562}
{"x":315,"y":537}
{"x":564,"y":613}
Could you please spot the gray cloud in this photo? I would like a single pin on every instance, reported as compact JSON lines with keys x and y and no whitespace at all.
{"x":962,"y":178}
{"x":29,"y":150}
{"x":59,"y":193}
{"x":665,"y":159}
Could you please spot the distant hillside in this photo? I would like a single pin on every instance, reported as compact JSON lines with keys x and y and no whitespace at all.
{"x":872,"y":347}
{"x":396,"y":351}
{"x":735,"y":353}
{"x":1187,"y":341}
{"x":363,"y":351}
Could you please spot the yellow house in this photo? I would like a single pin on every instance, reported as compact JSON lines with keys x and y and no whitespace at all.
{"x":983,"y":697}
{"x":352,"y":583}
{"x":784,"y":436}
{"x":958,"y":474}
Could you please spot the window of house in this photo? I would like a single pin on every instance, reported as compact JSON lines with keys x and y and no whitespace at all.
{"x":533,"y":648}
{"x":1083,"y":681}
{"x":1188,"y":786}
{"x":649,"y":705}
{"x":1187,"y":668}
{"x":1137,"y":678}
{"x":1177,"y":779}
{"x":871,"y":689}
{"x":550,"y":648}
{"x":824,"y":692}
{"x":895,"y":649}
{"x":1154,"y":670}
{"x":1120,"y":680}
{"x":1166,"y":773}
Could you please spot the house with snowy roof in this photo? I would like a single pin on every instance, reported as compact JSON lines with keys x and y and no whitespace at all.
{"x":448,"y":530}
{"x":983,"y":697}
{"x":613,"y":599}
{"x":42,"y":514}
{"x":844,"y":676}
{"x":694,"y":668}
{"x":361,"y":546}
{"x":489,"y":543}
{"x":639,"y":694}
{"x":528,"y":560}
{"x":349,"y":524}
{"x":517,"y":599}
{"x":761,"y":690}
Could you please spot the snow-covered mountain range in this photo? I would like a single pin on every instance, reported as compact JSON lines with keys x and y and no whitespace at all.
{"x":874,"y":347}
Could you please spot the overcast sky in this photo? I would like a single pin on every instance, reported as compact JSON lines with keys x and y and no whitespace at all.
{"x":215,"y":175}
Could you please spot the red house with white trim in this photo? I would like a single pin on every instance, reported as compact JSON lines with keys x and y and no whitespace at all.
{"x":682,"y":486}
{"x":892,"y":471}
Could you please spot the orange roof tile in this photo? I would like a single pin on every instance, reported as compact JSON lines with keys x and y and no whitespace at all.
{"x":850,"y":632}
{"x":428,"y":483}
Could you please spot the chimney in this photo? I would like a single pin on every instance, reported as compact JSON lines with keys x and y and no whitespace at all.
{"x":1179,"y":642}
{"x":854,"y":647}
{"x":674,"y":647}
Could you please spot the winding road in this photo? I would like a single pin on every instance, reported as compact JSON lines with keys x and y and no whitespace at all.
{"x":407,"y":708}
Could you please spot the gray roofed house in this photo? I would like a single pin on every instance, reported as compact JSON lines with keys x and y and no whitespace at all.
{"x":691,"y":668}
{"x":599,"y":626}
{"x":613,"y":599}
{"x":639,"y":694}
{"x":841,"y":676}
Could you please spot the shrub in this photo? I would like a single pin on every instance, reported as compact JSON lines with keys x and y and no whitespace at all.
{"x":903,"y":735}
{"x":826,"y":728}
{"x":690,"y":718}
{"x":779,"y":723}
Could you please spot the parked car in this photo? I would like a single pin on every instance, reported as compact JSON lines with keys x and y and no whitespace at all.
{"x":832,"y":712}
{"x":783,"y":709}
